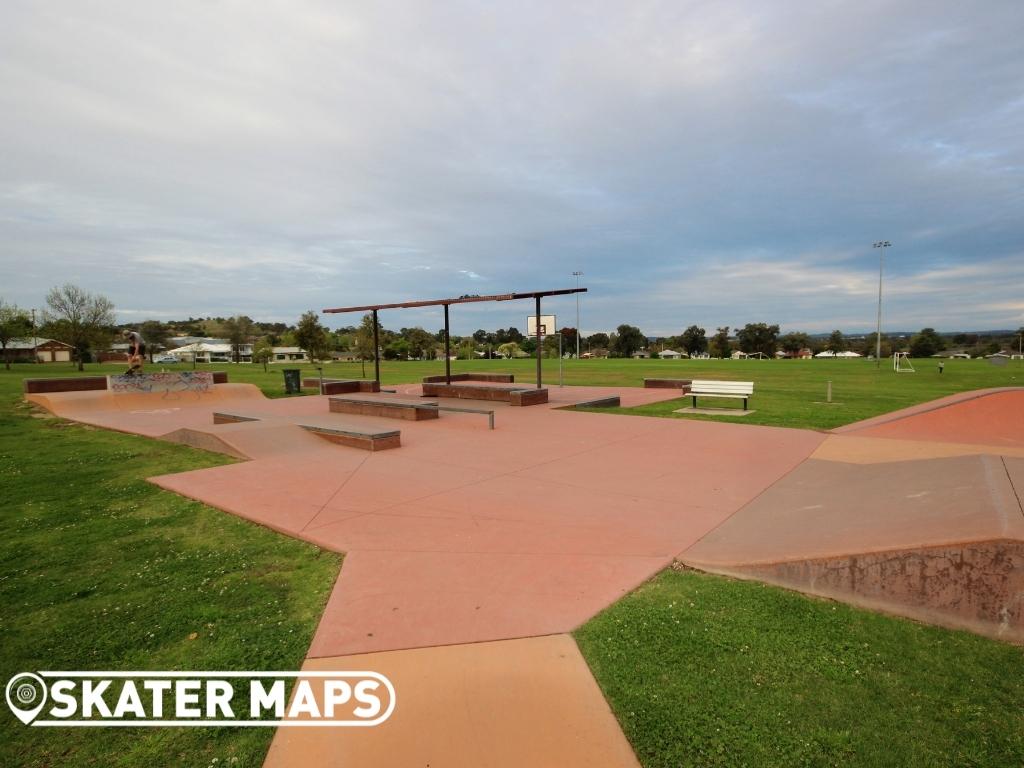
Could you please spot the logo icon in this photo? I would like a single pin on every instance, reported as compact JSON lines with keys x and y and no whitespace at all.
{"x":26,"y":696}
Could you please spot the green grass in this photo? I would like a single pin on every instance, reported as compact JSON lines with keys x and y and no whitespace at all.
{"x":100,"y":570}
{"x":787,"y":393}
{"x":707,"y":671}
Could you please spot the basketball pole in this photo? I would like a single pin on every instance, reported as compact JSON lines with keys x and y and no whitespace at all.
{"x":539,"y":343}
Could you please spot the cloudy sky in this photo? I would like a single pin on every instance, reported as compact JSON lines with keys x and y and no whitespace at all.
{"x":701,"y":162}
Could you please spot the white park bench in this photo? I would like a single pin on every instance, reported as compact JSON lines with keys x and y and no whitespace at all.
{"x":734,"y":389}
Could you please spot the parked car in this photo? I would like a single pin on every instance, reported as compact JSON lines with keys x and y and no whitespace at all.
{"x":165,"y":359}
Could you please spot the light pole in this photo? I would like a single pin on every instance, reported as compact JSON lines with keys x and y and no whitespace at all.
{"x":35,"y":351}
{"x":577,"y":275}
{"x":881,"y":245}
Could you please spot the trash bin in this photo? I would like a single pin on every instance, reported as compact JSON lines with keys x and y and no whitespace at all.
{"x":292,"y":381}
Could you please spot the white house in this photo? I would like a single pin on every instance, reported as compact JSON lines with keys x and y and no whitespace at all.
{"x":670,"y":354}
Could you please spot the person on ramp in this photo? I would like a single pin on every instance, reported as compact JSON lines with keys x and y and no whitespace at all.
{"x":136,"y":351}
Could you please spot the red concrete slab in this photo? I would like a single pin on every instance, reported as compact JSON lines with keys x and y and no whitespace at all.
{"x":391,"y":600}
{"x":993,"y":418}
{"x":825,"y":509}
{"x":514,"y":704}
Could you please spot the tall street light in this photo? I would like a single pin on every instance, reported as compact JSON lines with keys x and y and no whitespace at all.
{"x":881,"y":245}
{"x":577,"y":275}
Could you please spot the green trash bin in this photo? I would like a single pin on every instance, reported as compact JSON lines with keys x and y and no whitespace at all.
{"x":292,"y":381}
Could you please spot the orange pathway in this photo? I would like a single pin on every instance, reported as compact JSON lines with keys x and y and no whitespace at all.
{"x":470,"y":552}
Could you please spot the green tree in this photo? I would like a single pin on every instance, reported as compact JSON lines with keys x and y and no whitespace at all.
{"x":14,"y":324}
{"x":364,"y":348}
{"x":869,"y":346}
{"x":836,"y":342}
{"x":758,"y":337}
{"x":509,"y":349}
{"x":694,"y":340}
{"x":926,"y":343}
{"x":239,"y":331}
{"x":79,"y":318}
{"x":598,"y":341}
{"x":263,"y":352}
{"x":156,"y":335}
{"x":628,"y":339}
{"x":720,"y":345}
{"x":311,"y":336}
{"x":793,"y":342}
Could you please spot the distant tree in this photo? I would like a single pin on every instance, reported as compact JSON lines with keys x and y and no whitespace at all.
{"x":480,"y":336}
{"x":509,"y":349}
{"x":926,"y":343}
{"x":758,"y":337}
{"x":397,"y":349}
{"x":263,"y":352}
{"x":420,"y":342}
{"x":156,"y":334}
{"x":836,"y":342}
{"x":513,"y":334}
{"x":869,"y":345}
{"x":528,"y":345}
{"x":79,"y":318}
{"x":598,"y":341}
{"x":311,"y":336}
{"x":568,"y":341}
{"x":364,"y":348}
{"x":720,"y":345}
{"x":239,"y":331}
{"x":793,"y":342}
{"x":628,"y":339}
{"x":694,"y":340}
{"x":14,"y":324}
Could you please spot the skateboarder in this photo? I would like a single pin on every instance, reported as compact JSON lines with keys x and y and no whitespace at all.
{"x":136,"y":351}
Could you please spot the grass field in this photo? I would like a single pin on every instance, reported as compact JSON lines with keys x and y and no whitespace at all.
{"x":706,"y":671}
{"x":100,"y":570}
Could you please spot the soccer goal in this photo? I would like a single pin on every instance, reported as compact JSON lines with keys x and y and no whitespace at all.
{"x":901,"y":363}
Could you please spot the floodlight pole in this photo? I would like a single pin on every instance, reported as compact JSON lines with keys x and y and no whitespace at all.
{"x":881,"y":245}
{"x":577,"y":275}
{"x":539,"y":343}
{"x":376,"y":349}
{"x":447,"y":350}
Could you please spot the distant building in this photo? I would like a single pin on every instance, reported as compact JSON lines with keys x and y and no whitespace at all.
{"x":641,"y":354}
{"x":671,"y":354}
{"x":39,"y":350}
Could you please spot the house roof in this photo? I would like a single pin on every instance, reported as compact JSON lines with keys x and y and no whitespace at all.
{"x":34,"y":343}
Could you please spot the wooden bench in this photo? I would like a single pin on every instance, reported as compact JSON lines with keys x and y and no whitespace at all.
{"x":683,"y":384}
{"x":390,"y":408}
{"x":513,"y":396}
{"x":741,"y":390}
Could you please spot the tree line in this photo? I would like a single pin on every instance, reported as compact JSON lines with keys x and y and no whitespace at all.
{"x":86,"y":322}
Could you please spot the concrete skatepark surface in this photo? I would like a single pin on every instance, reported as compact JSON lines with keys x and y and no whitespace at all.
{"x":465,"y":542}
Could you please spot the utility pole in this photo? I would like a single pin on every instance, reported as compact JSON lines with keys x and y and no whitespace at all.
{"x":35,"y":344}
{"x":577,"y":276}
{"x":881,"y":245}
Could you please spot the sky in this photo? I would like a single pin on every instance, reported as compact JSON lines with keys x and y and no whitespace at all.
{"x":710,"y":163}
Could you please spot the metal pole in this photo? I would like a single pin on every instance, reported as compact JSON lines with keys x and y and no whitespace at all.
{"x":577,"y":274}
{"x":881,"y":245}
{"x":560,"y":357}
{"x":376,"y":349}
{"x":35,"y":344}
{"x":447,"y":349}
{"x":539,"y":343}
